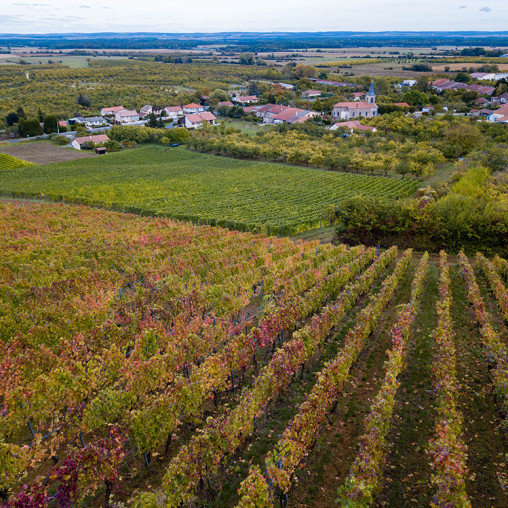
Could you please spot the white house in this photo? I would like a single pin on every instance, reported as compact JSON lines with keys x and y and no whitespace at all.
{"x":94,"y":121}
{"x":173,"y":112}
{"x":311,"y":94}
{"x":246,"y":99}
{"x":196,"y":120}
{"x":126,"y":116}
{"x":191,"y":108}
{"x":111,"y":111}
{"x":77,"y":143}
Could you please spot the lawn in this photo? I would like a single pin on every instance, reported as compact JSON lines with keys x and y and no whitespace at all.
{"x":243,"y":195}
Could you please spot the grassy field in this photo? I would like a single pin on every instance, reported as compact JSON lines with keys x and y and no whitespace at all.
{"x":72,"y":61}
{"x":177,"y":183}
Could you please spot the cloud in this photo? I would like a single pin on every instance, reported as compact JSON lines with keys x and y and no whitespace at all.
{"x":462,"y":6}
{"x":84,"y":7}
{"x":485,"y":9}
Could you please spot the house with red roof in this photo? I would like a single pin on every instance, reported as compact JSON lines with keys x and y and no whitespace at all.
{"x":196,"y":120}
{"x":227,"y":104}
{"x":192,"y":108}
{"x":293,"y":116}
{"x":267,"y":111}
{"x":357,"y":96}
{"x":499,"y":115}
{"x":77,"y":143}
{"x":111,"y":111}
{"x":352,"y":125}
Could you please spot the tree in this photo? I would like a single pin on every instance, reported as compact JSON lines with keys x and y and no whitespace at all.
{"x":463,"y":77}
{"x":246,"y":59}
{"x":466,"y":136}
{"x":21,"y":113}
{"x":50,"y":124}
{"x":422,"y":84}
{"x":11,"y":119}
{"x":152,"y":120}
{"x":322,"y":75}
{"x":30,"y":127}
{"x":305,"y":71}
{"x":317,"y":105}
{"x":40,"y":115}
{"x":83,"y":100}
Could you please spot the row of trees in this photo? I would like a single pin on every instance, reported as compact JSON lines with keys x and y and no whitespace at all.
{"x":357,"y":154}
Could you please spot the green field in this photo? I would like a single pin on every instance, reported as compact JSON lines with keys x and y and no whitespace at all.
{"x":177,"y":183}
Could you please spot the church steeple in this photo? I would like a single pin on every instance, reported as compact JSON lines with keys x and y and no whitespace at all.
{"x":371,"y":95}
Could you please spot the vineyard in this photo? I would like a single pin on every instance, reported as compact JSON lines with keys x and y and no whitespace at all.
{"x":149,"y":362}
{"x":243,"y":195}
{"x":10,"y":162}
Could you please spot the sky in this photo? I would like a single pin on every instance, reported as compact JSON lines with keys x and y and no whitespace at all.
{"x":183,"y":16}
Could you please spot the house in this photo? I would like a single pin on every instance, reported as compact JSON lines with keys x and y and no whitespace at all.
{"x":503,"y":98}
{"x":440,"y":85}
{"x":482,"y":75}
{"x":481,"y":101}
{"x":173,"y":112}
{"x":94,"y":121}
{"x":352,"y":125}
{"x":246,"y":99}
{"x":285,"y":86}
{"x":126,"y":116}
{"x":225,"y":104}
{"x":191,"y":108}
{"x":407,"y":82}
{"x":499,"y":115}
{"x":292,"y":116}
{"x":250,"y":109}
{"x":357,"y":109}
{"x":311,"y":94}
{"x":62,"y":123}
{"x":357,"y":96}
{"x":111,"y":111}
{"x":402,"y":104}
{"x":267,"y":111}
{"x":196,"y":120}
{"x":145,"y":111}
{"x":79,"y":142}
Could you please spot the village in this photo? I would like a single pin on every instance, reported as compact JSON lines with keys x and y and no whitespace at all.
{"x":347,"y":114}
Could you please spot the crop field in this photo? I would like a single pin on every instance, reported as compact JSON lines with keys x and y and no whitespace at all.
{"x":205,"y":189}
{"x":42,"y":152}
{"x":10,"y":162}
{"x":155,"y":363}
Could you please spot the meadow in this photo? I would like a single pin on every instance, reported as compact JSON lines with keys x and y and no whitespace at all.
{"x":156,"y":363}
{"x":202,"y":188}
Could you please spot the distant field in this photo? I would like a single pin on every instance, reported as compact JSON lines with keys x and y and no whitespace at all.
{"x":184,"y":185}
{"x":74,"y":62}
{"x":467,"y":65}
{"x":43,"y":153}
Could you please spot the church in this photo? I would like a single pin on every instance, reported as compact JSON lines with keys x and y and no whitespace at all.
{"x":356,"y":109}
